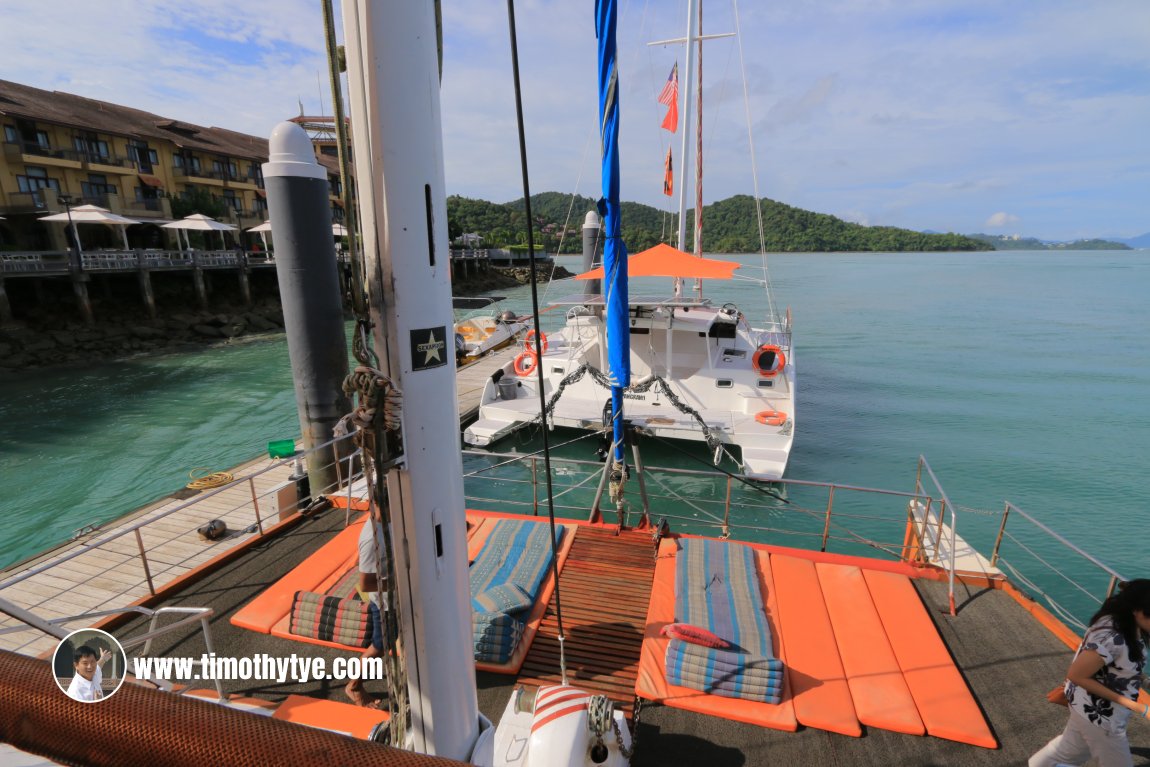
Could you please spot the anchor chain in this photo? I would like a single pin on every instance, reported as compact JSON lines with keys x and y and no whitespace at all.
{"x":600,"y":719}
{"x":713,"y":442}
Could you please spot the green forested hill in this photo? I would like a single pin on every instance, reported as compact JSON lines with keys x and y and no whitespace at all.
{"x":729,"y":226}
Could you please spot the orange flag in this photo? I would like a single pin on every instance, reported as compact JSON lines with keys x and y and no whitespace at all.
{"x":670,"y":96}
{"x":669,"y":177}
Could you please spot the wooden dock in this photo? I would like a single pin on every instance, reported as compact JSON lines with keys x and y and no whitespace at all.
{"x":471,"y":378}
{"x":135,"y":556}
{"x":138,"y":554}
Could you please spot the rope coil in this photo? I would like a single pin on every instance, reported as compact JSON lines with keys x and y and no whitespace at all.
{"x":209,"y":480}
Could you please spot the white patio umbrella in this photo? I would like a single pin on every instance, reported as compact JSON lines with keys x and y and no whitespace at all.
{"x":339,"y":230}
{"x":263,"y":230}
{"x":93,"y":214}
{"x":200,"y":222}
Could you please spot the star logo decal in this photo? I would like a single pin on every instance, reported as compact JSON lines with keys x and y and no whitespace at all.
{"x":428,"y":347}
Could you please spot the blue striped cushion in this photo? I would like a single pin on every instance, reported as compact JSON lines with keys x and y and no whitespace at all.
{"x":505,"y":598}
{"x":717,"y":588}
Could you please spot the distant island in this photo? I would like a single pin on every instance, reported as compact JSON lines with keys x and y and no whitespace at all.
{"x":1014,"y":242}
{"x":729,"y":226}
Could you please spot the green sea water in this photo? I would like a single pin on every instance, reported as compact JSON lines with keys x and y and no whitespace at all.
{"x":1021,"y":376}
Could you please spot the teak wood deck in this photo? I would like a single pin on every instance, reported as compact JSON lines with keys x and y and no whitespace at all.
{"x":604,"y":589}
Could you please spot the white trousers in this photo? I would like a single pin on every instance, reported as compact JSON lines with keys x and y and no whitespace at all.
{"x":1080,"y":741}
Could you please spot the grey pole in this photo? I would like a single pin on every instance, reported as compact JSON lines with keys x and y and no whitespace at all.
{"x":591,"y":243}
{"x":309,"y":289}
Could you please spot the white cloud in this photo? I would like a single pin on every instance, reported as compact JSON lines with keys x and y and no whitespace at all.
{"x":924,"y":113}
{"x":1001,"y":219}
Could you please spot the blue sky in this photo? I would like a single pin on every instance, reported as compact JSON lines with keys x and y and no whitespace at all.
{"x":951,"y":115}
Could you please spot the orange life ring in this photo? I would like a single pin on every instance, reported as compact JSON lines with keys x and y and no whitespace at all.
{"x":771,"y":418}
{"x":781,"y":360}
{"x":529,"y":341}
{"x":525,"y":364}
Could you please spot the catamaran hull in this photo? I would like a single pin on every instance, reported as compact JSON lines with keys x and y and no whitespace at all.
{"x":709,"y":392}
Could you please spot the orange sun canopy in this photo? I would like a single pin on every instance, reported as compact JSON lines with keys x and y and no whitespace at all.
{"x":665,"y":261}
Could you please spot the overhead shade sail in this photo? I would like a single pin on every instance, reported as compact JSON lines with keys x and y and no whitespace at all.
{"x":665,"y":261}
{"x":152,"y":181}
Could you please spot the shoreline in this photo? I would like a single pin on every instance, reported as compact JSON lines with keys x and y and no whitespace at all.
{"x":51,"y":336}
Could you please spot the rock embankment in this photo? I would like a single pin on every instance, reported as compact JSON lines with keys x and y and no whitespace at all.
{"x":497,"y":278}
{"x":25,"y":346}
{"x":49,"y":333}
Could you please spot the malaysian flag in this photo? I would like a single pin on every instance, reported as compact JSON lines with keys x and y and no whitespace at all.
{"x":670,"y":96}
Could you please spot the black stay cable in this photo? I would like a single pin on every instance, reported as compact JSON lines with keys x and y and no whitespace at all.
{"x":538,"y":331}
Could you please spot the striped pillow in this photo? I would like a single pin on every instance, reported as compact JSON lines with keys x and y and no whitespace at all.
{"x":504,"y":598}
{"x":318,"y":616}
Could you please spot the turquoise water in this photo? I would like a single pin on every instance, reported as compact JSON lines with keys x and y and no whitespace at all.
{"x":1020,"y":376}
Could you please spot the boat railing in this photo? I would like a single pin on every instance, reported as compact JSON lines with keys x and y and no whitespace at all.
{"x":1072,"y":582}
{"x":187,"y":618}
{"x":248,"y":510}
{"x":919,"y":526}
{"x":818,"y":515}
{"x":934,"y":522}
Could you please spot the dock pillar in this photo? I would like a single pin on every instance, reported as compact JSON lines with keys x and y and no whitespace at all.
{"x":591,"y":241}
{"x":83,"y":302}
{"x":245,"y":284}
{"x":5,"y":305}
{"x":148,"y":293}
{"x":198,"y":280}
{"x":308,"y":276}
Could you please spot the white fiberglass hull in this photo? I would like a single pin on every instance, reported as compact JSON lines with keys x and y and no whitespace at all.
{"x":693,"y":378}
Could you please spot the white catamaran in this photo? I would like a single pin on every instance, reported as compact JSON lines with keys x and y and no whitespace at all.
{"x":701,"y":372}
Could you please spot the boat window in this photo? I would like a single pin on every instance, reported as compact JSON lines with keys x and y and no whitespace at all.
{"x":557,"y":371}
{"x":735,"y":353}
{"x":722,"y":330}
{"x":640,"y":331}
{"x":766,"y":383}
{"x":724,"y":383}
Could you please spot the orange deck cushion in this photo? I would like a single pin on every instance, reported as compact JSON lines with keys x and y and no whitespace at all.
{"x":356,"y":721}
{"x":327,"y":563}
{"x":651,"y":682}
{"x":944,"y":701}
{"x":879,"y":692}
{"x":815,"y":674}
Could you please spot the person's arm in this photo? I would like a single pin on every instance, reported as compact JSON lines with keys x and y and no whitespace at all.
{"x":1082,"y":671}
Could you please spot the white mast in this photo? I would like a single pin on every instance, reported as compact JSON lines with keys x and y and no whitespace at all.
{"x":393,"y":81}
{"x":685,"y":83}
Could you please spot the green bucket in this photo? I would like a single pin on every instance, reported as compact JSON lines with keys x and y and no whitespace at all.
{"x":281,"y":448}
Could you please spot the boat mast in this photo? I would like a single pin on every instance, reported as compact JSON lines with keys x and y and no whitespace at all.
{"x":393,"y":82}
{"x":614,"y":251}
{"x":692,"y":35}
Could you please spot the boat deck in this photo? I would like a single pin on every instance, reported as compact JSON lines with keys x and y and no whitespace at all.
{"x":605,"y":586}
{"x":1008,"y":676}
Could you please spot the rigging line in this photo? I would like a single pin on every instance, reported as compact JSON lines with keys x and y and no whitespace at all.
{"x":570,"y":209}
{"x":757,"y":486}
{"x":520,"y":456}
{"x":715,"y":518}
{"x":754,"y":164}
{"x":538,"y":330}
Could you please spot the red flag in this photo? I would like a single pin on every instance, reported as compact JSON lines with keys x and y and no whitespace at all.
{"x":670,"y":96}
{"x":669,"y":177}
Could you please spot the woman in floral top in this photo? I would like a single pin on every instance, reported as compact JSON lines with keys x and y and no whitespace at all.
{"x":1103,"y":682}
